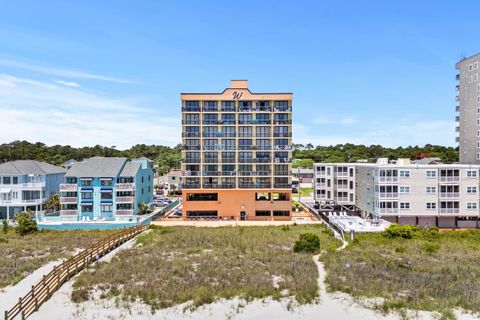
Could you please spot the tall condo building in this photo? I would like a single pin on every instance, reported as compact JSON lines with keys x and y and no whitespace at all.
{"x":468,"y":108}
{"x":237,"y":154}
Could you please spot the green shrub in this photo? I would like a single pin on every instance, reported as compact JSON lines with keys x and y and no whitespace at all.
{"x":400,"y":249}
{"x":308,"y":242}
{"x":431,"y":247}
{"x":4,"y":226}
{"x":396,"y":231}
{"x":26,"y":224}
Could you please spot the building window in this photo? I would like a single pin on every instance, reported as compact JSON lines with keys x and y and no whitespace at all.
{"x":404,"y":173}
{"x":262,"y":213}
{"x":262,"y":196}
{"x":431,"y":189}
{"x":472,"y":173}
{"x":471,"y":190}
{"x":281,"y":213}
{"x":202,"y":214}
{"x":279,"y":196}
{"x":86,"y":182}
{"x":105,"y":182}
{"x":6,"y":180}
{"x":15,"y":180}
{"x":87,"y":208}
{"x":431,"y":174}
{"x":404,"y":189}
{"x":106,"y":208}
{"x":106,"y":195}
{"x":202,"y":197}
{"x":431,"y":205}
{"x":87,"y":194}
{"x":471,"y":205}
{"x":404,"y":205}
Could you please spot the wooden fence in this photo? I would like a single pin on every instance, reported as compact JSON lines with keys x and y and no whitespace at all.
{"x":60,"y":274}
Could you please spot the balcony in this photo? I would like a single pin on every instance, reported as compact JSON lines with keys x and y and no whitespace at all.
{"x":341,"y":186}
{"x":246,"y":185}
{"x":246,"y":173}
{"x":457,"y":108}
{"x":263,"y":135}
{"x":341,"y":174}
{"x":283,"y":148}
{"x":65,"y":187}
{"x":191,"y":186}
{"x":264,"y":173}
{"x":23,"y":202}
{"x":287,"y":121}
{"x":210,"y":109}
{"x":125,"y":186}
{"x":457,"y":87}
{"x":449,"y":178}
{"x":189,"y":173}
{"x":283,"y":160}
{"x":388,"y":210}
{"x":245,"y":135}
{"x":457,"y":119}
{"x":227,"y":121}
{"x":264,"y":109}
{"x":124,"y":212}
{"x":457,"y":139}
{"x":246,"y":160}
{"x":342,"y":199}
{"x":191,"y":148}
{"x":228,"y":109}
{"x":228,"y":160}
{"x":68,"y":212}
{"x":32,"y":185}
{"x":263,"y":122}
{"x":263,"y":185}
{"x":191,"y":109}
{"x":211,"y":186}
{"x":457,"y":77}
{"x":68,"y":199}
{"x":282,"y":134}
{"x":282,"y":109}
{"x":211,"y":173}
{"x":457,"y":98}
{"x":319,"y":185}
{"x":191,"y":160}
{"x":125,"y":199}
{"x":387,"y":179}
{"x":449,"y":210}
{"x":228,"y":173}
{"x":191,"y":135}
{"x":282,"y":186}
{"x":449,"y":194}
{"x":457,"y":129}
{"x":191,"y":122}
{"x":211,"y":122}
{"x":384,"y":195}
{"x":210,"y":160}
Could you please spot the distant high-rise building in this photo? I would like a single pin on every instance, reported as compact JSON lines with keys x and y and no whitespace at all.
{"x":237,"y":154}
{"x":468,"y":107}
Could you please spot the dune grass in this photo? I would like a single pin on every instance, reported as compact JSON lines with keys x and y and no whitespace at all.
{"x":173,"y":265}
{"x":433,"y":271}
{"x":32,"y":251}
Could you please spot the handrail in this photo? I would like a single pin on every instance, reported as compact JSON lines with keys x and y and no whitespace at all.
{"x":60,"y":274}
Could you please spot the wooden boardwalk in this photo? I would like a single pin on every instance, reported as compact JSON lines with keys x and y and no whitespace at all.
{"x":60,"y":274}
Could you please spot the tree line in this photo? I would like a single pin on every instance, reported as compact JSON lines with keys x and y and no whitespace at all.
{"x":166,"y":158}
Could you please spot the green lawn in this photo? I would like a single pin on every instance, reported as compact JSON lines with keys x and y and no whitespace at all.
{"x":444,"y":272}
{"x":304,"y":192}
{"x":169,"y":266}
{"x":32,"y":251}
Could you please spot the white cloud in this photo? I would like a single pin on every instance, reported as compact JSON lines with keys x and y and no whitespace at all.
{"x":58,"y":114}
{"x":68,"y":83}
{"x":59,"y":72}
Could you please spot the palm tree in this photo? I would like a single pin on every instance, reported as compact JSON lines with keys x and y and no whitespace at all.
{"x":173,"y":188}
{"x":143,"y":208}
{"x":53,"y":203}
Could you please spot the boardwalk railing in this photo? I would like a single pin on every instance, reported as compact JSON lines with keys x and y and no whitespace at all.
{"x":50,"y":282}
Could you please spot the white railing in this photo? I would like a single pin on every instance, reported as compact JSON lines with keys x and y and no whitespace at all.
{"x":388,"y":210}
{"x":388,"y":194}
{"x":124,"y":212}
{"x":449,"y":210}
{"x":387,"y":179}
{"x":68,"y":199}
{"x":23,"y":202}
{"x":449,"y":179}
{"x":124,"y":199}
{"x":68,"y":212}
{"x":68,"y":187}
{"x":342,"y":199}
{"x":35,"y":185}
{"x":449,"y":194}
{"x":125,"y":186}
{"x":341,"y":174}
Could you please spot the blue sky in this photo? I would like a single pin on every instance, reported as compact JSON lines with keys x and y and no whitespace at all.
{"x":110,"y":72}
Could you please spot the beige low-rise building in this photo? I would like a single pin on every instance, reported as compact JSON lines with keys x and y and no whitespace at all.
{"x":423,"y":193}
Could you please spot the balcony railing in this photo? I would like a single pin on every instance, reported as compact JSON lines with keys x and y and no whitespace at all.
{"x":341,"y":186}
{"x":191,"y":109}
{"x":189,"y":173}
{"x":449,"y":194}
{"x":457,"y":108}
{"x":263,"y":173}
{"x":319,"y":184}
{"x":211,"y":122}
{"x":388,"y":195}
{"x":245,"y":135}
{"x":342,"y":199}
{"x":228,"y":109}
{"x":457,"y":119}
{"x":246,"y":160}
{"x":283,"y":160}
{"x":457,"y":129}
{"x":188,"y":161}
{"x":191,"y":148}
{"x":68,"y":212}
{"x":22,"y":201}
{"x":457,"y":77}
{"x":341,"y":174}
{"x":125,"y":186}
{"x":125,"y":199}
{"x":211,"y":173}
{"x":246,"y":185}
{"x":265,"y":185}
{"x":282,"y":109}
{"x":228,"y":173}
{"x":210,"y":109}
{"x":282,"y":134}
{"x":286,"y":121}
{"x":387,"y":179}
{"x":124,"y":212}
{"x":449,"y":178}
{"x":210,"y":160}
{"x":68,"y":199}
{"x":228,"y":160}
{"x":191,"y":122}
{"x":449,"y":210}
{"x":388,"y":210}
{"x":191,"y":186}
{"x":32,"y":185}
{"x":283,"y":148}
{"x":191,"y":134}
{"x":68,"y":187}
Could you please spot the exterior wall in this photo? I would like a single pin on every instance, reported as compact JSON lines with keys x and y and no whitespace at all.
{"x":143,"y":190}
{"x":232,"y":202}
{"x":468,"y":102}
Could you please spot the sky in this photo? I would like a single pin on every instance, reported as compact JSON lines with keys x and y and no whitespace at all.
{"x":111,"y":72}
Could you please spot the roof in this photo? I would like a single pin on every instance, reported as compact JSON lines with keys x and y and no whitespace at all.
{"x":174,"y":173}
{"x":302,"y":170}
{"x":130,"y":169}
{"x":144,"y":158}
{"x":69,"y":162}
{"x":23,"y":167}
{"x":97,"y":167}
{"x":432,"y":160}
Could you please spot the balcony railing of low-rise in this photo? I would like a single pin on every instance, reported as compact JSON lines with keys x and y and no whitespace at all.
{"x":68,"y":199}
{"x":33,"y":185}
{"x":387,"y":210}
{"x":342,"y":199}
{"x":388,"y":195}
{"x":449,"y":210}
{"x":387,"y":179}
{"x":125,"y":186}
{"x":449,"y":194}
{"x":124,"y":199}
{"x":341,"y":174}
{"x":341,"y":186}
{"x":23,"y":201}
{"x":282,"y":185}
{"x":449,"y":178}
{"x":282,"y":134}
{"x":124,"y":212}
{"x":321,"y":185}
{"x":72,"y":212}
{"x":68,"y":187}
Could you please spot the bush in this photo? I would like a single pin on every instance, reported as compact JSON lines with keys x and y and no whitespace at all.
{"x":26,"y":224}
{"x":397,"y":231}
{"x":431,"y":247}
{"x":308,"y":242}
{"x":5,"y":226}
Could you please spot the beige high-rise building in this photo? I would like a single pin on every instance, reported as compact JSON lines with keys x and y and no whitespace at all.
{"x":237,"y":154}
{"x":468,"y":108}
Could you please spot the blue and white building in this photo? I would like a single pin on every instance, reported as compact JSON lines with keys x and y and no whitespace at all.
{"x":106,"y":189}
{"x":27,"y":184}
